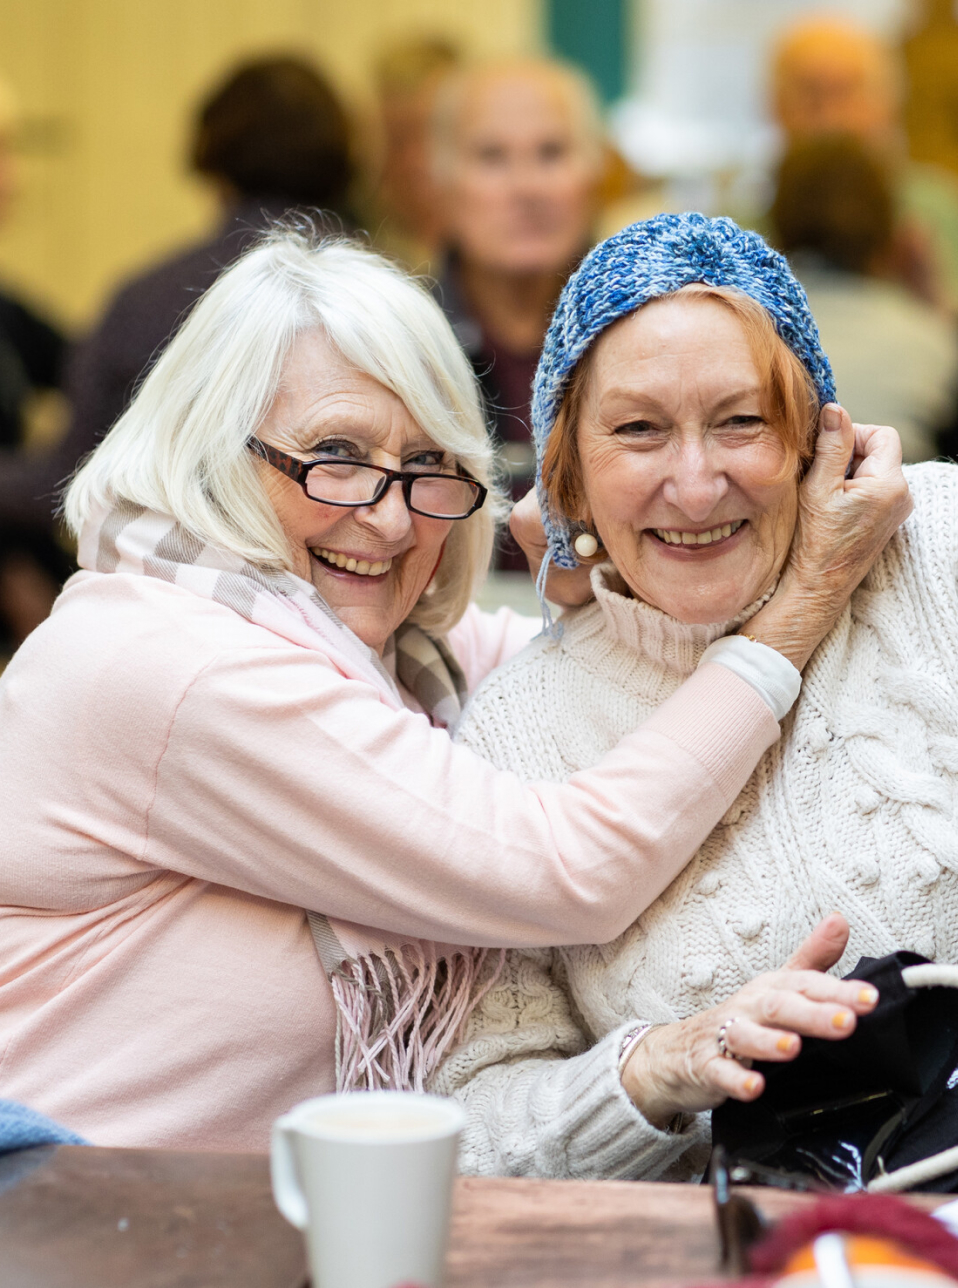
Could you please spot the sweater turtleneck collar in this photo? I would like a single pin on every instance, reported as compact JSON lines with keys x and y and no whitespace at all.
{"x":666,"y":641}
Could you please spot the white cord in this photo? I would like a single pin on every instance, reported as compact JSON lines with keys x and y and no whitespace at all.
{"x":927,"y":1169}
{"x":930,"y":975}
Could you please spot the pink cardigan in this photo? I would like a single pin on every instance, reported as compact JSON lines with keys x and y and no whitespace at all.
{"x":179,"y":783}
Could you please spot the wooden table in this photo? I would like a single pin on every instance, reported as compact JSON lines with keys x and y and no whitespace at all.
{"x":75,"y":1217}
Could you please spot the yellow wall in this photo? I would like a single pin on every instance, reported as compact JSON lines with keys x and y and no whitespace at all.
{"x":107,"y":86}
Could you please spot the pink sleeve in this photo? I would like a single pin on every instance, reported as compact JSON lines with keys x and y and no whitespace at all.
{"x":285,"y":780}
{"x":483,"y":641}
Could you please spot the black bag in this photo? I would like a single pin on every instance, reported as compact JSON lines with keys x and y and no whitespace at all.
{"x":846,"y":1112}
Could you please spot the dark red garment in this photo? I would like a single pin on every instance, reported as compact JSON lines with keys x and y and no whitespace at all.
{"x":506,"y":382}
{"x":512,"y":375}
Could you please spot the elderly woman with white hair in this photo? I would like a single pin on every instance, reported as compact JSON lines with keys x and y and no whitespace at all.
{"x":676,"y":409}
{"x":225,"y":754}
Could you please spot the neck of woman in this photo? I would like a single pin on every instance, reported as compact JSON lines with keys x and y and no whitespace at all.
{"x":513,"y":308}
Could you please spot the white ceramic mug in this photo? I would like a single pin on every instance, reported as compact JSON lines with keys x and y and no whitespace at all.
{"x":367,"y":1177}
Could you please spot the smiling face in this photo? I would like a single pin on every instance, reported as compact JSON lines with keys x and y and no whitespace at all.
{"x":370,"y":563}
{"x":681,"y":472}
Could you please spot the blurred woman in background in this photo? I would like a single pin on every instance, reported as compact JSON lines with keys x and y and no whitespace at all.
{"x":271,"y":137}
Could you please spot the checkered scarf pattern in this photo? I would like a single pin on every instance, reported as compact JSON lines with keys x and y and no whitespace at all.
{"x":425,"y":666}
{"x":130,"y":538}
{"x":401,"y":1002}
{"x":643,"y":262}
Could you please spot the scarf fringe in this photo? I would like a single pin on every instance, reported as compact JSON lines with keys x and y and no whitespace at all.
{"x":400,"y":1012}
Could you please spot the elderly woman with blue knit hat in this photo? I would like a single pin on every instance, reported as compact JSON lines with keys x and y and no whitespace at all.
{"x":675,"y":412}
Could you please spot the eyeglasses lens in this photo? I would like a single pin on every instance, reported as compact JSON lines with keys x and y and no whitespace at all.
{"x":447,"y":498}
{"x":345,"y":483}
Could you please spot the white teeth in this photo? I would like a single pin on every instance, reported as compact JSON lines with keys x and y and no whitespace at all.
{"x":674,"y":537}
{"x":360,"y":566}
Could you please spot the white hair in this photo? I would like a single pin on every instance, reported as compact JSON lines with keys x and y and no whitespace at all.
{"x":182,"y":446}
{"x":574,"y":87}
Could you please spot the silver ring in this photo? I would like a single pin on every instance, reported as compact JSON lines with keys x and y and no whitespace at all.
{"x":722,"y":1039}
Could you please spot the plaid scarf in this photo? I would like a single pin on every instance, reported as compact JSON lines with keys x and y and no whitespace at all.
{"x":401,"y":1002}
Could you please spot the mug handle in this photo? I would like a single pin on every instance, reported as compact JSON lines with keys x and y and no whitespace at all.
{"x":284,"y":1175}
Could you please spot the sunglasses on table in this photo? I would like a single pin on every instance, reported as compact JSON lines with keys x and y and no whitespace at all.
{"x":335,"y":481}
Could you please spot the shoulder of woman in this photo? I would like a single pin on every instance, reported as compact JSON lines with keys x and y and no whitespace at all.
{"x":933,"y":524}
{"x":504,"y":704}
{"x":932,"y":479}
{"x":507,"y":721}
{"x":142,"y":640}
{"x":155,"y":610}
{"x":482,"y":641}
{"x":921,"y":560}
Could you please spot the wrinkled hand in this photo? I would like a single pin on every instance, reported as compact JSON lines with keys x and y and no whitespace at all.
{"x":679,"y":1068}
{"x":843,"y":526}
{"x":568,"y":588}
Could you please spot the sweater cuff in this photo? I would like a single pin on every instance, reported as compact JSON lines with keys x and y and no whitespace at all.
{"x":770,"y":674}
{"x":718,"y":718}
{"x":607,"y":1136}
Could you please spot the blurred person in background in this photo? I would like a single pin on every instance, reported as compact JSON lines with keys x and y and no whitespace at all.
{"x":895,"y":357}
{"x":407,"y":75}
{"x":32,"y":358}
{"x":270,"y":138}
{"x":831,"y":76}
{"x":518,"y":159}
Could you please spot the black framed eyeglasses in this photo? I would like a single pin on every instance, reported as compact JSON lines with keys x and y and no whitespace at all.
{"x":335,"y":481}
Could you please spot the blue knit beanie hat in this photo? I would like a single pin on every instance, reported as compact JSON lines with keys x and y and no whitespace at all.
{"x":641,"y":263}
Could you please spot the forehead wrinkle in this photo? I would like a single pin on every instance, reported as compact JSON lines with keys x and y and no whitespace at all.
{"x":317,"y":383}
{"x":365,"y":417}
{"x":661,"y":349}
{"x":682,"y":388}
{"x":334,"y":415}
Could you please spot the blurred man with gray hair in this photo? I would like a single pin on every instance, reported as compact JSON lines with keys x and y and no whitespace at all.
{"x":517,"y":151}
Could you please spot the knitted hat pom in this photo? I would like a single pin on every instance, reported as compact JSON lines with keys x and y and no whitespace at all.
{"x":643,"y":262}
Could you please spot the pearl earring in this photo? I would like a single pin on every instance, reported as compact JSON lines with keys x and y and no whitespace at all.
{"x":585,"y":545}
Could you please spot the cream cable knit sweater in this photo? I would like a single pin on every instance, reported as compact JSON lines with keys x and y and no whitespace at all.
{"x":853,"y":809}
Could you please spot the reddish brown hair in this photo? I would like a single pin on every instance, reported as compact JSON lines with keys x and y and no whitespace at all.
{"x":789,"y":401}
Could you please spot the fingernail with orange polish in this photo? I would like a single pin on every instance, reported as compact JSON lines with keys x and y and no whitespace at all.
{"x":868,"y":996}
{"x":841,"y":1020}
{"x":751,"y":1084}
{"x":785,"y":1042}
